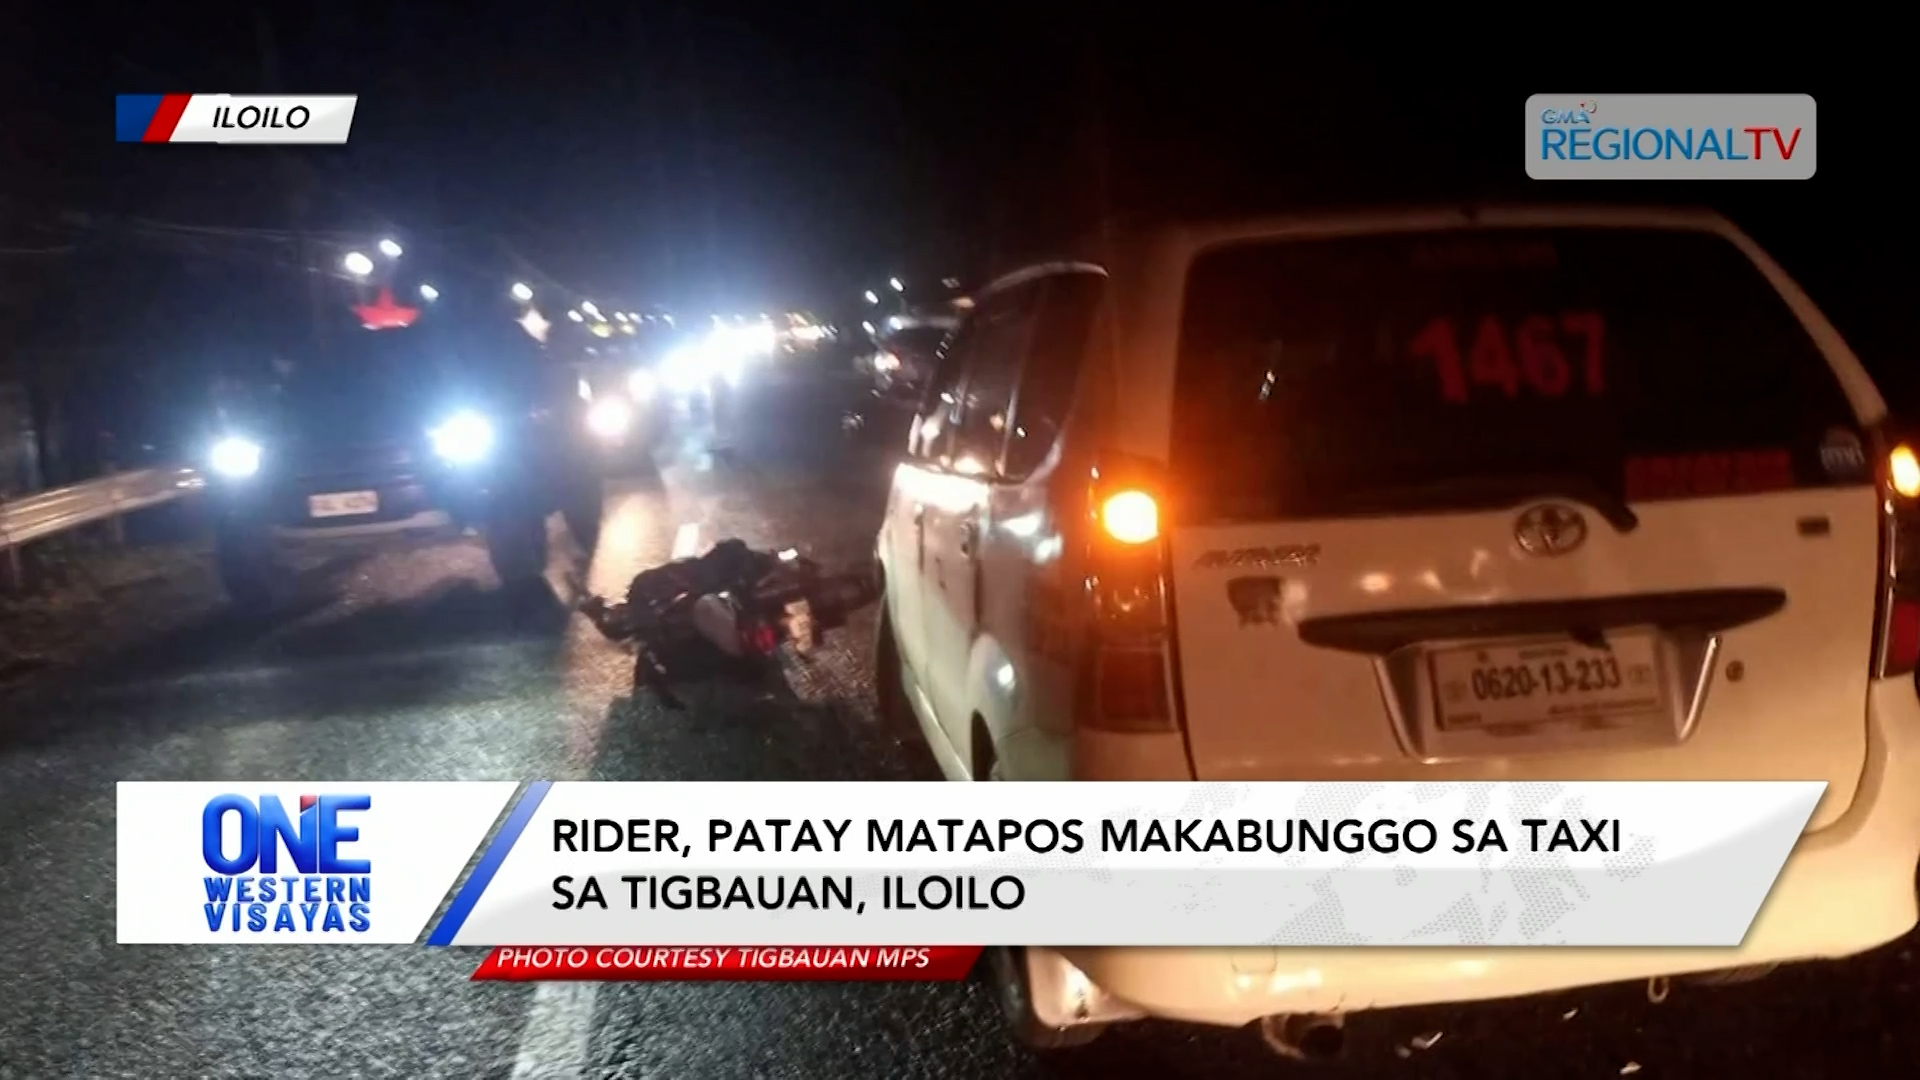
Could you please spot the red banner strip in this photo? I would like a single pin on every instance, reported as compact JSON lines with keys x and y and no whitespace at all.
{"x":166,"y":118}
{"x":728,"y":963}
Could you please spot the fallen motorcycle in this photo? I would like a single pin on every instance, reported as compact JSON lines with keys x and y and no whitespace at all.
{"x":732,"y":602}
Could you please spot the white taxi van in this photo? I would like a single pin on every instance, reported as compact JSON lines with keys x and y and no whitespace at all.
{"x":1286,"y":499}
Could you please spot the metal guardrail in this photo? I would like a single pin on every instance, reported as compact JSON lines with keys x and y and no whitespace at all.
{"x":46,"y":513}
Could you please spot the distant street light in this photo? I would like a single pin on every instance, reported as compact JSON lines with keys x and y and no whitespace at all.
{"x":357,"y":264}
{"x":429,"y":293}
{"x":575,"y":316}
{"x":872,"y":297}
{"x":590,"y":309}
{"x":522,"y":291}
{"x":620,"y":316}
{"x":867,"y":326}
{"x":390,"y":249}
{"x":898,"y":285}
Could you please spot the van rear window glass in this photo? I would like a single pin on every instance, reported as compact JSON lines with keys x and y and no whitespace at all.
{"x":1458,"y":370}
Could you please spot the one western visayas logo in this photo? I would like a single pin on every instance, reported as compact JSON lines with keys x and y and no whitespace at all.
{"x":316,"y":887}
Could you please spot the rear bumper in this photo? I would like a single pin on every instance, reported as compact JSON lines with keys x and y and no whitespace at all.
{"x":1846,"y":889}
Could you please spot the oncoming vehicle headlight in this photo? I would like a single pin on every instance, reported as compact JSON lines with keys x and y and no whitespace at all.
{"x":466,"y":437}
{"x":640,"y":385}
{"x":685,"y":369}
{"x":609,"y":417}
{"x":235,"y":456}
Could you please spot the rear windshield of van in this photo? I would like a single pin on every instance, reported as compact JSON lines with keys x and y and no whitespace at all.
{"x":1461,"y":370}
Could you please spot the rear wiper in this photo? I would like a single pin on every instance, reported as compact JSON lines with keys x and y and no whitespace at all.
{"x":1511,"y":491}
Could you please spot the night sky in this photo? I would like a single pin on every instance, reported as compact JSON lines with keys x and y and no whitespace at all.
{"x":748,"y":156}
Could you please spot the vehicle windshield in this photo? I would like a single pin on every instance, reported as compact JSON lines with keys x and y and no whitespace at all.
{"x":1458,"y":370}
{"x":374,"y":361}
{"x":374,"y":384}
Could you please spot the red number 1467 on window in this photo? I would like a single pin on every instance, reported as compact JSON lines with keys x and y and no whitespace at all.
{"x":1546,"y":355}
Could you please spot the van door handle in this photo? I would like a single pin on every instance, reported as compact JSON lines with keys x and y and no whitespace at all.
{"x":969,"y":532}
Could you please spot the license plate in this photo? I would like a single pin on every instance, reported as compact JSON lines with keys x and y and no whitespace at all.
{"x":800,"y":627}
{"x":1521,"y":685}
{"x":343,"y":504}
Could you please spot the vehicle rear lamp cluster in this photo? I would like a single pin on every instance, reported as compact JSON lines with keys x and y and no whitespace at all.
{"x":1130,"y":673}
{"x":1131,"y":517}
{"x":1897,"y":635}
{"x":1903,"y":472}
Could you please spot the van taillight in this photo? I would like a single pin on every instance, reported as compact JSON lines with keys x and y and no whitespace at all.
{"x":1897,"y":634}
{"x":1130,"y":675}
{"x":1130,"y":516}
{"x":1903,"y":472}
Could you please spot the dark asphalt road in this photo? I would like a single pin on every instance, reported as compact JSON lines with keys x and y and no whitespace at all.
{"x":416,"y":672}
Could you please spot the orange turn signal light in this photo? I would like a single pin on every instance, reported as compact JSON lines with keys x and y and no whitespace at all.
{"x":1903,"y":469}
{"x":1132,"y":517}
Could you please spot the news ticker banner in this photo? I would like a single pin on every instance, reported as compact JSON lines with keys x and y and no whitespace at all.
{"x":873,"y":865}
{"x":283,"y":119}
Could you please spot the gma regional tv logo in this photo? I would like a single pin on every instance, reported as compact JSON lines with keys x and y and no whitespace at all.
{"x":283,"y":119}
{"x":275,"y":870}
{"x":1671,"y":137}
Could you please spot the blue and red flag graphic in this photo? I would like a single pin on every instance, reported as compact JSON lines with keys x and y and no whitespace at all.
{"x":147,"y":117}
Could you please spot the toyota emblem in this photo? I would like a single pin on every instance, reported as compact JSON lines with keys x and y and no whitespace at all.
{"x":1550,"y":529}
